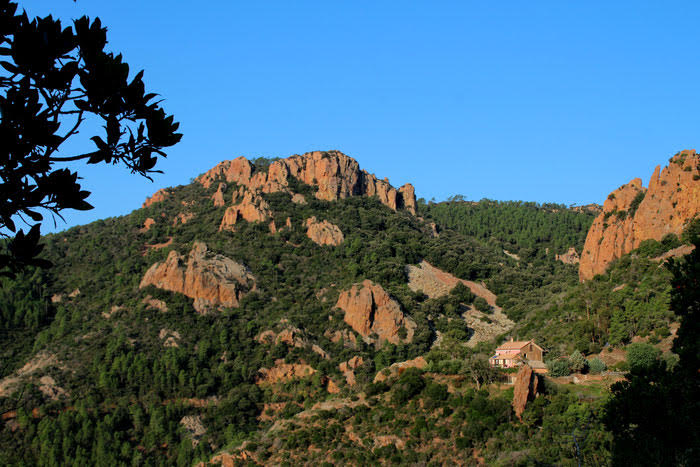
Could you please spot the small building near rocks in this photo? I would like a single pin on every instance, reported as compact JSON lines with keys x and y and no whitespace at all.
{"x":512,"y":354}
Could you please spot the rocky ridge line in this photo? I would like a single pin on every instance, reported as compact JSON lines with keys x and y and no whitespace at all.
{"x":336,"y":175}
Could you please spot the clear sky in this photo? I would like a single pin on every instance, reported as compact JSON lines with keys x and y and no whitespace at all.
{"x":542,"y":101}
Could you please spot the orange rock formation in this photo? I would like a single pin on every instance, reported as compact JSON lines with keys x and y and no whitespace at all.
{"x":336,"y":175}
{"x":323,"y":233}
{"x":283,"y":372}
{"x":570,"y":257}
{"x":524,"y":389}
{"x":369,"y":309}
{"x":211,"y":280}
{"x":218,"y":196}
{"x":348,"y":369}
{"x":156,"y":197}
{"x":251,"y":208}
{"x":399,"y":367}
{"x":670,"y":202}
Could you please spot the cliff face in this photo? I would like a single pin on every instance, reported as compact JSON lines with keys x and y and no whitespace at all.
{"x":211,"y":280}
{"x":632,"y":213}
{"x":369,"y":309}
{"x":336,"y":175}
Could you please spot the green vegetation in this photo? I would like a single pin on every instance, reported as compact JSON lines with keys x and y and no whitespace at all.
{"x":653,"y":415}
{"x":117,"y":393}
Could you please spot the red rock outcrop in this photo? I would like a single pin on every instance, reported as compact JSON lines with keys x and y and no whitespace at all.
{"x":283,"y":372}
{"x":218,"y":196}
{"x":369,"y":309}
{"x":147,"y":224}
{"x":524,"y":390}
{"x":211,"y":280}
{"x":156,"y":197}
{"x":570,"y":257}
{"x":251,"y":208}
{"x":670,"y":202}
{"x":399,"y":367}
{"x":348,"y":369}
{"x":298,"y":198}
{"x":183,"y":218}
{"x":323,"y":233}
{"x":348,"y":337}
{"x":291,"y":336}
{"x":336,"y":175}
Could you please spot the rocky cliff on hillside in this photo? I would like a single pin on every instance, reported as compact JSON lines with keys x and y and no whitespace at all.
{"x":336,"y":175}
{"x":156,"y":197}
{"x":369,"y":309}
{"x":323,"y":232}
{"x":633,"y":213}
{"x":211,"y":280}
{"x":524,"y":389}
{"x":249,"y":207}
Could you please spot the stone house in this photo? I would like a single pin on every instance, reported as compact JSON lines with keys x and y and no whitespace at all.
{"x":512,"y":353}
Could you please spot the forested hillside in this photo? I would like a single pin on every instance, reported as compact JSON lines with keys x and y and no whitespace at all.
{"x":528,"y":229}
{"x":284,"y":323}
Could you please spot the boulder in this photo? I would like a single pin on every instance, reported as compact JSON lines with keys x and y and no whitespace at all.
{"x":283,"y":372}
{"x":524,"y":389}
{"x":570,"y":257}
{"x":435,"y":283}
{"x":298,"y":198}
{"x":323,"y":233}
{"x":147,"y":224}
{"x":399,"y":367}
{"x":369,"y":309}
{"x":211,"y":280}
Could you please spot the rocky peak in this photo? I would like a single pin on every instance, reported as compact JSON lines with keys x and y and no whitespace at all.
{"x":210,"y":279}
{"x":632,"y":213}
{"x":369,"y":309}
{"x":336,"y":176}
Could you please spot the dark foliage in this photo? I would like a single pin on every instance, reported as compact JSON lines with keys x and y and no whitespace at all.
{"x":655,"y":414}
{"x":53,"y":79}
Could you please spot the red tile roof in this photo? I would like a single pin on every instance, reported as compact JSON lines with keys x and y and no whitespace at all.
{"x":516,"y":345}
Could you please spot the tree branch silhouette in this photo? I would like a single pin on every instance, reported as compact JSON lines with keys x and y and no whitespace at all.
{"x":50,"y":75}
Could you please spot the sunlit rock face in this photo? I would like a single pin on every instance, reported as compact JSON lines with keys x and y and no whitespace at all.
{"x":633,"y":213}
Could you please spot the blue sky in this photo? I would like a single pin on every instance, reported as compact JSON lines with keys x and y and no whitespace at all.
{"x":540,"y":101}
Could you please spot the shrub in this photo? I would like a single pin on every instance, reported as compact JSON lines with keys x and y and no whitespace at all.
{"x":409,"y":384}
{"x":558,"y":367}
{"x":596,"y":366}
{"x":642,"y":356}
{"x":636,"y":202}
{"x":482,"y":305}
{"x":436,"y":391}
{"x":577,"y":363}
